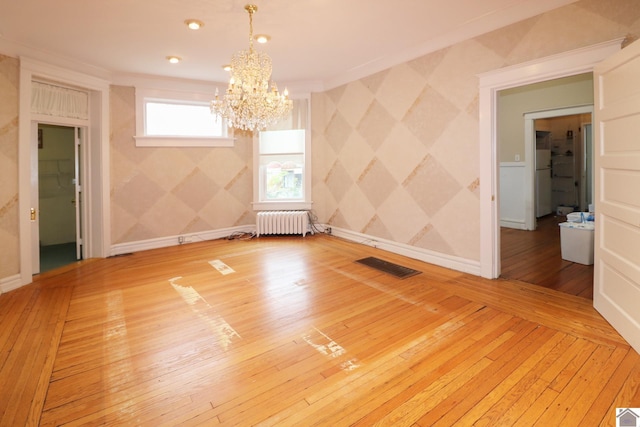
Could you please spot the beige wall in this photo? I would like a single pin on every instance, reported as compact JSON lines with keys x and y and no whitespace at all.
{"x":513,"y":104}
{"x":9,"y":233}
{"x":399,"y":149}
{"x":168,"y":191}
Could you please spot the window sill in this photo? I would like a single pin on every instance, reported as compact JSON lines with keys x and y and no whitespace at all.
{"x":182,"y":141}
{"x":282,"y":206}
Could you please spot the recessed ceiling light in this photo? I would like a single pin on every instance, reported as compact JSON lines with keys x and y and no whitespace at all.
{"x":262,"y":38}
{"x":226,"y":67}
{"x":194,"y":24}
{"x":174,"y":59}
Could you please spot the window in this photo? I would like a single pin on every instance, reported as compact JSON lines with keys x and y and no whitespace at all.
{"x":165,"y":118}
{"x":182,"y":119}
{"x":282,"y":163}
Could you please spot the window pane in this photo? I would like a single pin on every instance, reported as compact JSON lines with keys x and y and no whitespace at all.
{"x":168,"y":119}
{"x":282,"y":176}
{"x":281,"y":161}
{"x":282,"y":165}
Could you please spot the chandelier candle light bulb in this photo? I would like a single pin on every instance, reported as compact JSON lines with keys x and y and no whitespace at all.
{"x":252,"y":101}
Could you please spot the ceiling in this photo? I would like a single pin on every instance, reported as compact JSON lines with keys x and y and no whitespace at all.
{"x":319,"y":43}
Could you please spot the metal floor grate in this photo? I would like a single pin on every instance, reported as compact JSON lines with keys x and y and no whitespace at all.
{"x":388,"y":267}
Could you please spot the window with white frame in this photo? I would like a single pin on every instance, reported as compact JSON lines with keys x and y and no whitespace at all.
{"x":178,"y":119}
{"x":283,"y":163}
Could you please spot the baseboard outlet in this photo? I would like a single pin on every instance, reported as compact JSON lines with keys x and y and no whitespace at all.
{"x":185,"y":239}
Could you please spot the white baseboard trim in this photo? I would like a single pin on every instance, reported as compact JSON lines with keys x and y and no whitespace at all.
{"x":164,"y":242}
{"x":512,"y":223}
{"x":10,"y":283}
{"x":442,"y":260}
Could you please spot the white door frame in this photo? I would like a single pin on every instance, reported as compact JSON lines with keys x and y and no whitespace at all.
{"x":562,"y":65}
{"x":98,"y":227}
{"x":530,"y":155}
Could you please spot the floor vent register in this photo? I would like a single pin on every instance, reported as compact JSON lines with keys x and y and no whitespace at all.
{"x":388,"y":267}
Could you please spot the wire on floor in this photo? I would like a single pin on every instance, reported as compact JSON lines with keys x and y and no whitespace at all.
{"x":241,"y":235}
{"x":315,"y":226}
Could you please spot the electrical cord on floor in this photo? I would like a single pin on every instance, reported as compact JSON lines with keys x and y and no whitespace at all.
{"x":241,"y":235}
{"x":315,"y":227}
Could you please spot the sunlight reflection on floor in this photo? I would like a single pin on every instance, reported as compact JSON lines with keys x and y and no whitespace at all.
{"x":223,"y":331}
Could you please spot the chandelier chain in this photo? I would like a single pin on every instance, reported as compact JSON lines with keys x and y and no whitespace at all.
{"x":251,"y":9}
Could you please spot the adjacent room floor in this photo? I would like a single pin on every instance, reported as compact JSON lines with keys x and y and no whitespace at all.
{"x":535,"y":257}
{"x":54,"y":256}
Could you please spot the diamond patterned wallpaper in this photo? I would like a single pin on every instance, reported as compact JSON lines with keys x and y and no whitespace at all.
{"x":396,"y":153}
{"x":166,"y":191}
{"x":9,"y":230}
{"x":399,"y":165}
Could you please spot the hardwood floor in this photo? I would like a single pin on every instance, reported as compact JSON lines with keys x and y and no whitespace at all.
{"x":290,"y":331}
{"x":535,"y":257}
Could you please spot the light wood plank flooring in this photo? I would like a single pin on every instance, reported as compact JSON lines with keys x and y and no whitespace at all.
{"x":295,"y":333}
{"x":535,"y":257}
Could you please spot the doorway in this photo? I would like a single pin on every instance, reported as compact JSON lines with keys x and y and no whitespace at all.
{"x":58,"y":209}
{"x":95,"y":159}
{"x":491,"y":83}
{"x":556,"y":140}
{"x":563,"y":157}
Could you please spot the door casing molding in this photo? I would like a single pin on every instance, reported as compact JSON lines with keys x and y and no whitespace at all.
{"x":565,"y":64}
{"x":97,"y":202}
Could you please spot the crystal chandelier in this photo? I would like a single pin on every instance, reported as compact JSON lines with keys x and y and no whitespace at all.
{"x":249,"y":103}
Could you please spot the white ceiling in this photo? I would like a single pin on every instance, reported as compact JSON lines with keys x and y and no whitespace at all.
{"x":320,"y":43}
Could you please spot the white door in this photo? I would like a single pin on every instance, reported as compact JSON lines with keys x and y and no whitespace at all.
{"x":617,"y":195}
{"x":35,"y":201}
{"x":79,"y":134}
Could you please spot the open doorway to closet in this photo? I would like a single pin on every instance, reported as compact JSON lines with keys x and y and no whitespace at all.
{"x":543,"y":133}
{"x":59,"y":202}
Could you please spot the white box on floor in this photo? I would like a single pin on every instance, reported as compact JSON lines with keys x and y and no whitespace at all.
{"x":576,"y":241}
